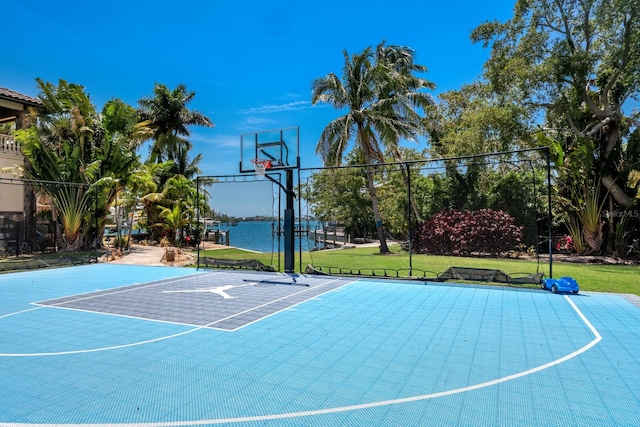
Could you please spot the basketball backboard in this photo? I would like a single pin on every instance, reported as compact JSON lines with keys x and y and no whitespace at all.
{"x":279,"y":146}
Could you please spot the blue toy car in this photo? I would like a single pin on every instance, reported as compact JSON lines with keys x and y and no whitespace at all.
{"x":563,"y":284}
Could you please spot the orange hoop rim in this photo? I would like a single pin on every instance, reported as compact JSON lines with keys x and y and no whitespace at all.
{"x":261,"y":165}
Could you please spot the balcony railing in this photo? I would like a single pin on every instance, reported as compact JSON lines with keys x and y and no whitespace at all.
{"x":8,"y":145}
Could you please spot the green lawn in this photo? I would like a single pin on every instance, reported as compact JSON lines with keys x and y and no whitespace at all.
{"x":590,"y":277}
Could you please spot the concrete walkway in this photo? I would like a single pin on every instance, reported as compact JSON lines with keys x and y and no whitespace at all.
{"x":143,"y":255}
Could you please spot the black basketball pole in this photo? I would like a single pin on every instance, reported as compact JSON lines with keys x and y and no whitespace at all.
{"x":289,"y":220}
{"x":289,"y":225}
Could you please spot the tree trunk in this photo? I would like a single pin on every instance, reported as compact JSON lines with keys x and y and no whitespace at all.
{"x":71,"y":245}
{"x":612,"y":139}
{"x":384,"y":249}
{"x":133,"y":211}
{"x":593,"y":238}
{"x":616,"y":192}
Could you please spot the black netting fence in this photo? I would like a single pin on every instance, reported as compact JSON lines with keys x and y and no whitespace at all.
{"x":240,"y":222}
{"x":47,"y":224}
{"x":429,"y":215}
{"x":410,"y":219}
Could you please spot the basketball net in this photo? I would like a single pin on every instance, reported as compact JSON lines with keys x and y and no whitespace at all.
{"x":261,"y":166}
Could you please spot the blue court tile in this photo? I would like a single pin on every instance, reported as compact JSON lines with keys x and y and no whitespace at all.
{"x":370,"y":342}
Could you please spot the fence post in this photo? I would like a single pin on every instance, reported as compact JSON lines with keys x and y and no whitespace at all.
{"x":549,"y":214}
{"x":409,"y":217}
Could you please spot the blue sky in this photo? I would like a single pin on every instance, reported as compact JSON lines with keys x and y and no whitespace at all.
{"x":250,"y":63}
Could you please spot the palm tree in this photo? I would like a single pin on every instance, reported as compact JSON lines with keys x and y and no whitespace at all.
{"x":183,"y":165}
{"x":399,"y":63}
{"x":150,"y":177}
{"x":169,"y":118}
{"x":173,"y":220}
{"x":380,"y":94}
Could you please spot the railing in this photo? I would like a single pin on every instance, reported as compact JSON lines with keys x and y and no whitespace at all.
{"x":8,"y":145}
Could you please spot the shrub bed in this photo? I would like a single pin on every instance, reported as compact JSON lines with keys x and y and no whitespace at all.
{"x":460,"y":233}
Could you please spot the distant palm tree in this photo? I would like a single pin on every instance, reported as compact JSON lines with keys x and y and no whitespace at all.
{"x":380,"y":93}
{"x":173,"y":220}
{"x":184,"y":166}
{"x":169,"y":118}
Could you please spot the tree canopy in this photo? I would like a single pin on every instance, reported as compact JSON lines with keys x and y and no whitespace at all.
{"x":576,"y":65}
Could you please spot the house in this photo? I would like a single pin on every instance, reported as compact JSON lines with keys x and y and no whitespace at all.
{"x":17,"y":202}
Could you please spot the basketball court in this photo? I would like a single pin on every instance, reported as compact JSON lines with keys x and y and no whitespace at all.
{"x":159,"y":346}
{"x":122,"y":345}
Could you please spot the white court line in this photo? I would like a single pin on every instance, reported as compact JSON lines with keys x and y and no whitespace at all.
{"x":268,"y":417}
{"x":19,"y":312}
{"x":281,"y":299}
{"x":154,"y":340}
{"x":129,"y":288}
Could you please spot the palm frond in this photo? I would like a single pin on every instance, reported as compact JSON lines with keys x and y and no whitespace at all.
{"x":334,"y":140}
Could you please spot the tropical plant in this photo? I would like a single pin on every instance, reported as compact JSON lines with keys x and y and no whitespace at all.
{"x":173,"y":220}
{"x":623,"y":246}
{"x":178,"y":191}
{"x":71,"y":204}
{"x":589,"y":212}
{"x":70,"y":142}
{"x":575,"y":231}
{"x":169,"y":119}
{"x":380,"y":96}
{"x":399,"y":64}
{"x":149,"y":177}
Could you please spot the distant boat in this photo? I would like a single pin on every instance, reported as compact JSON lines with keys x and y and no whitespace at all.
{"x":210,"y":224}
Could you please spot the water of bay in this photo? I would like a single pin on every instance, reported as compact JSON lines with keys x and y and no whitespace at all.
{"x":262,"y":236}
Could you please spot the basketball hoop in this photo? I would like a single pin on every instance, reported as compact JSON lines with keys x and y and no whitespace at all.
{"x":261,"y":166}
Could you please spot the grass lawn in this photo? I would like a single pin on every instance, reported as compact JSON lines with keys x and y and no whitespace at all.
{"x":591,"y":277}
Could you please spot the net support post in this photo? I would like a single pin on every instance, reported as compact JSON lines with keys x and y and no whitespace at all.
{"x":289,"y":225}
{"x":547,"y":152}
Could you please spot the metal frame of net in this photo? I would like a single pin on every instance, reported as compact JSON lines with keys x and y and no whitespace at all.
{"x":206,"y":261}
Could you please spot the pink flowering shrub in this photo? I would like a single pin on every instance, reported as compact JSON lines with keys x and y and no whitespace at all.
{"x":486,"y":232}
{"x":565,"y":244}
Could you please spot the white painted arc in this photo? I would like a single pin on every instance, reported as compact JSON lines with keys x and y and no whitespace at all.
{"x":334,"y":410}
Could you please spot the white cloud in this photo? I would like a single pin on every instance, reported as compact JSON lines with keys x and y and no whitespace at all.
{"x":268,"y":109}
{"x":220,"y":141}
{"x":257,"y":121}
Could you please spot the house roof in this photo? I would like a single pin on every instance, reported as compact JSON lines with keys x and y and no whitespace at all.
{"x":12,"y":95}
